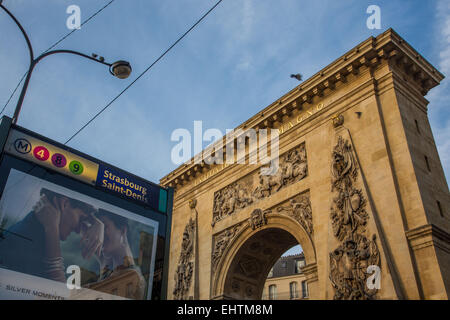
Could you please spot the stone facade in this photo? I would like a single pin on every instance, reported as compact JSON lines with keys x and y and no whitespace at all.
{"x":359,"y":184}
{"x":287,"y":280}
{"x":283,"y":289}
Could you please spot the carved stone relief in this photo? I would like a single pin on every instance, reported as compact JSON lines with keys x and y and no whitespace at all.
{"x":349,"y":261}
{"x":292,"y":168}
{"x":249,"y":266}
{"x":257,"y":219}
{"x":236,"y":285}
{"x":220,"y":243}
{"x":299,"y":208}
{"x":243,"y":287}
{"x":183,"y":275}
{"x":249,"y":291}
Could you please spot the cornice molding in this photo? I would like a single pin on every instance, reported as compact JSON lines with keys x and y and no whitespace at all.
{"x":428,"y":235}
{"x":310,"y":272}
{"x":368,"y":54}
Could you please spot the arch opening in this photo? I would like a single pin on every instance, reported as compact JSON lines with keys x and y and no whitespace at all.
{"x":248,"y":271}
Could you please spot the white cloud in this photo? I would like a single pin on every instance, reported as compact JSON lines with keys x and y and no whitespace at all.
{"x":247,"y":19}
{"x":440,"y":96}
{"x":444,"y":143}
{"x":444,"y":17}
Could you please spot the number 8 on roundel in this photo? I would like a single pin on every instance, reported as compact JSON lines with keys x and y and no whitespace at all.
{"x":59,"y":160}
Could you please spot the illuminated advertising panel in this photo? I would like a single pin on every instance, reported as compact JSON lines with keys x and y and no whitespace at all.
{"x":65,"y":235}
{"x":30,"y":220}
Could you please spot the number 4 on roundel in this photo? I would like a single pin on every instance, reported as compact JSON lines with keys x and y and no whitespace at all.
{"x":41,"y":153}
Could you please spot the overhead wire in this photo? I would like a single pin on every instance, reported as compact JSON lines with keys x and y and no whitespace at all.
{"x":54,"y":45}
{"x":144,"y":72}
{"x":50,"y":48}
{"x":140,"y":76}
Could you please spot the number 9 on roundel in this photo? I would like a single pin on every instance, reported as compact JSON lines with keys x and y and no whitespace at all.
{"x":76,"y":167}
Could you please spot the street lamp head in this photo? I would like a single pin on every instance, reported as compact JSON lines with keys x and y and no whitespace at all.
{"x":120,"y":69}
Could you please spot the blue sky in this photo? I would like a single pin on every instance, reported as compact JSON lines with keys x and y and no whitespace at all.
{"x":236,"y":62}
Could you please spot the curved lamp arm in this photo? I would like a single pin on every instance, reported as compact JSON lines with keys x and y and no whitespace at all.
{"x":30,"y":72}
{"x":30,"y":48}
{"x":34,"y":62}
{"x":48,"y":53}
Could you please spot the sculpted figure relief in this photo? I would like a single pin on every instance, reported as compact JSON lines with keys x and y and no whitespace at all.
{"x":300,"y":210}
{"x":269,"y":184}
{"x":349,"y":261}
{"x":184,"y":271}
{"x":348,"y":268}
{"x":221,"y":242}
{"x":293,"y":167}
{"x":228,"y":200}
{"x":257,"y":219}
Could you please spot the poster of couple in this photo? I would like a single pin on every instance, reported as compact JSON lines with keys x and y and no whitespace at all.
{"x":56,"y":243}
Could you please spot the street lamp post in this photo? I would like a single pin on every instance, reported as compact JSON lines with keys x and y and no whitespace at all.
{"x":120,"y":69}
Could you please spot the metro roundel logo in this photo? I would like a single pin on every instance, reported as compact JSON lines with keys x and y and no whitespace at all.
{"x":41,"y":153}
{"x":22,"y":146}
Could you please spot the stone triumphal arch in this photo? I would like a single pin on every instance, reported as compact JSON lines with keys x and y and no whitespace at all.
{"x":359,"y":186}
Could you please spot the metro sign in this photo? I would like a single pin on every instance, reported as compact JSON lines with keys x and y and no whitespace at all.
{"x":45,"y":154}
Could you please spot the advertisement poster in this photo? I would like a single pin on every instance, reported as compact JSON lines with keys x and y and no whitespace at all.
{"x":56,"y":243}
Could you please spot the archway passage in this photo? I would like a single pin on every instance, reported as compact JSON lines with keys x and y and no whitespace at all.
{"x":248,"y":271}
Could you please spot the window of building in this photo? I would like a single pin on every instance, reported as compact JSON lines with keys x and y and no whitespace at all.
{"x":428,"y":163}
{"x":441,"y":212}
{"x":299,"y":264}
{"x":293,"y":290}
{"x":417,"y":126}
{"x":272,"y":292}
{"x":130,"y":290}
{"x":283,"y":264}
{"x":304,"y":289}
